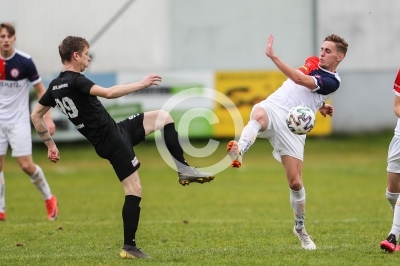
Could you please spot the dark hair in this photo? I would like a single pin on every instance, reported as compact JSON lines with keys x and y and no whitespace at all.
{"x":70,"y":45}
{"x":341,"y":44}
{"x":10,"y":28}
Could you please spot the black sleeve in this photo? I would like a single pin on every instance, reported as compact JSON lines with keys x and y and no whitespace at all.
{"x":84,"y":84}
{"x":47,"y":98}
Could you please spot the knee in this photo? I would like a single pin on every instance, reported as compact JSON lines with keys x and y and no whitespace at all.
{"x":295,"y":184}
{"x":27,"y":168}
{"x":135,"y":190}
{"x":132,"y":186}
{"x":165,"y":116}
{"x":138,"y":191}
{"x":260,"y":116}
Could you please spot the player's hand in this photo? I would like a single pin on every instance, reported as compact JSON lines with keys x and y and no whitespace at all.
{"x":268,"y":50}
{"x":326,"y":109}
{"x":150,"y":80}
{"x":53,"y":154}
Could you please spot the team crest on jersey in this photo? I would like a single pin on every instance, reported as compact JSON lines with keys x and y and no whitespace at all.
{"x":14,"y":72}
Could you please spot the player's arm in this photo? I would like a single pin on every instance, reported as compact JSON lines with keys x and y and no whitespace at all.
{"x":121,"y":90}
{"x":37,"y":118}
{"x":296,"y":76}
{"x":40,"y":90}
{"x":397,"y":106}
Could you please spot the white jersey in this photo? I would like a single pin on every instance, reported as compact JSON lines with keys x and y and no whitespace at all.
{"x":290,"y":94}
{"x":16,"y":74}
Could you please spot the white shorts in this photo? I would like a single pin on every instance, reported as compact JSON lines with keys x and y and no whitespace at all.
{"x":394,"y":156}
{"x":281,"y":138}
{"x":19,"y":137}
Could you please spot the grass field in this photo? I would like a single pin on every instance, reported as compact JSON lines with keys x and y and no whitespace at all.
{"x":242,"y":218}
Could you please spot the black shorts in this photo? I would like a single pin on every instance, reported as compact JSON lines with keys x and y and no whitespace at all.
{"x":119,"y":149}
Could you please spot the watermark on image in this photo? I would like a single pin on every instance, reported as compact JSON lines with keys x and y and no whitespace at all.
{"x":224,"y":160}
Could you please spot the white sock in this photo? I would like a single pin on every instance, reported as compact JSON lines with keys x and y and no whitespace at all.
{"x":2,"y":191}
{"x":298,"y":202}
{"x":249,"y":135}
{"x":396,"y":221}
{"x":40,"y":183}
{"x":392,"y":198}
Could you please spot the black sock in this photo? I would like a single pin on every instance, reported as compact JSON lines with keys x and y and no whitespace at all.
{"x":171,"y":140}
{"x":130,"y":218}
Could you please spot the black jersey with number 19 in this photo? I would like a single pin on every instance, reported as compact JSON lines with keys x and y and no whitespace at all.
{"x":70,"y":91}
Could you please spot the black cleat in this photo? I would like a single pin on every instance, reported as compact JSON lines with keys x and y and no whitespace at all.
{"x":189,"y":174}
{"x":131,"y":252}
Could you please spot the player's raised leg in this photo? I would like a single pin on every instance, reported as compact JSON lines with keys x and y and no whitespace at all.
{"x":236,"y":150}
{"x":162,"y":120}
{"x":235,"y":153}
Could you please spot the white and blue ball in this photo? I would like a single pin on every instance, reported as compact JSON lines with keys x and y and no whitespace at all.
{"x":300,"y":120}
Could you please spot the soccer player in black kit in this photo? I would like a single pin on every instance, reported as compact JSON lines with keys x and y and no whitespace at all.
{"x":76,"y":96}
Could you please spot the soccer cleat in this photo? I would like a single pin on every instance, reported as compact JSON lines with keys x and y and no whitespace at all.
{"x":236,"y":155}
{"x":389,"y":244}
{"x":131,"y":252}
{"x":397,"y":249}
{"x":2,"y":216}
{"x":304,"y":238}
{"x":52,"y":208}
{"x":189,"y":174}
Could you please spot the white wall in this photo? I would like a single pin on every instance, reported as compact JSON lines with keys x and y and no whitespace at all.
{"x":364,"y":102}
{"x":197,"y":34}
{"x":371,"y":27}
{"x":139,"y":39}
{"x":175,"y":35}
{"x":232,"y":34}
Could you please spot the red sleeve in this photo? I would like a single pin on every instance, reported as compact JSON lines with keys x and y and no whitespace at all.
{"x":311,"y":63}
{"x":397,"y":82}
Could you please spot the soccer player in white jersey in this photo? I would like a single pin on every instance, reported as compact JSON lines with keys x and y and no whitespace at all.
{"x":311,"y":85}
{"x":17,"y":72}
{"x":393,"y":176}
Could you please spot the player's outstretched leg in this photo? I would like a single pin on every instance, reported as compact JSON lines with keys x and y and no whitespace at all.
{"x":235,"y":154}
{"x":188,"y":174}
{"x":389,"y":244}
{"x":131,"y":252}
{"x":304,"y":238}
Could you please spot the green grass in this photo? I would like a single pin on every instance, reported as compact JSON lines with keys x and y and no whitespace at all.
{"x":242,"y":218}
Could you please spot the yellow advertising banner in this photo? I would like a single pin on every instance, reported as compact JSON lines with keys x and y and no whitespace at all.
{"x":244,"y":89}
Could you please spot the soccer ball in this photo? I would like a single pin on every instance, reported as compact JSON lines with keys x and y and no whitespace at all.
{"x":300,"y":120}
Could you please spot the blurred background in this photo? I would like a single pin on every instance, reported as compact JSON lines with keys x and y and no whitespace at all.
{"x":219,"y":45}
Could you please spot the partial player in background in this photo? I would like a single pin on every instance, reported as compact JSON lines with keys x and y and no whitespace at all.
{"x":310,"y":86}
{"x":76,"y":96}
{"x":17,"y":72}
{"x":393,"y":176}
